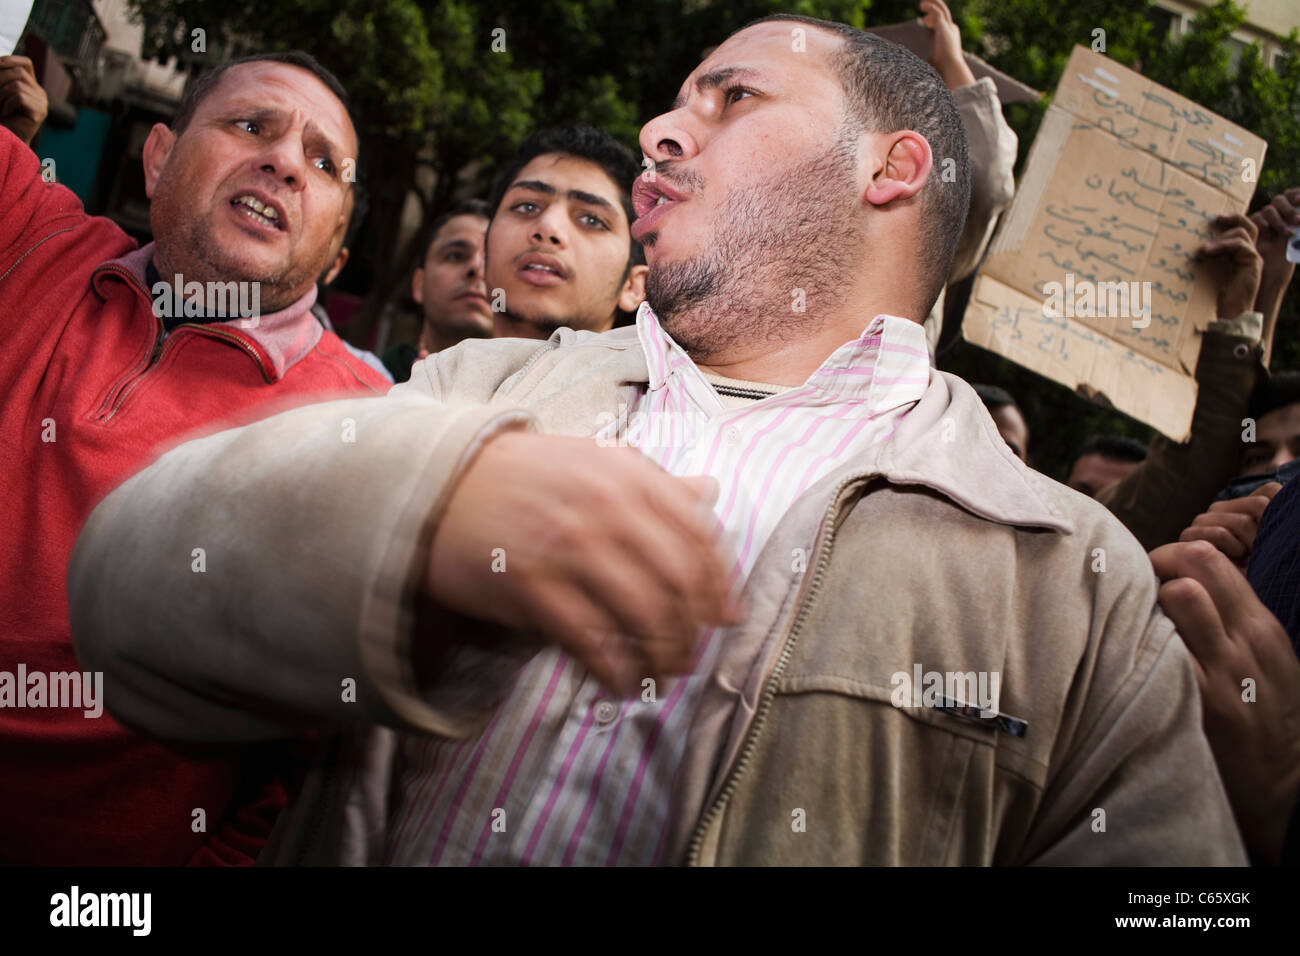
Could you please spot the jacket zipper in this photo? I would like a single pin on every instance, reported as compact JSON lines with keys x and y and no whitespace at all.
{"x":769,"y":687}
{"x":122,"y":389}
{"x":111,"y":401}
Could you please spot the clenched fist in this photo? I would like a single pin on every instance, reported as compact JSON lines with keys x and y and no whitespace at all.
{"x":605,"y":554}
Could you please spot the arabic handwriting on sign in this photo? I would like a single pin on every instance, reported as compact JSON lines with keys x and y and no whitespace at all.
{"x":1196,"y":117}
{"x":1053,"y":335}
{"x":1131,"y":197}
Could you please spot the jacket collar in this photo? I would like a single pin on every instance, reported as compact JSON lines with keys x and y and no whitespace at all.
{"x":947,"y":443}
{"x":276,"y":341}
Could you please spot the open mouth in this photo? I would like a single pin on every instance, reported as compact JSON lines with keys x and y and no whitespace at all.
{"x":263,"y":213}
{"x":652,"y":200}
{"x":540,"y":269}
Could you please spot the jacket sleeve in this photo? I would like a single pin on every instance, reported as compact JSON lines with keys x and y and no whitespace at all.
{"x":32,"y":212}
{"x":1133,"y":781}
{"x":992,"y":146}
{"x":1176,"y":482}
{"x":262,"y":581}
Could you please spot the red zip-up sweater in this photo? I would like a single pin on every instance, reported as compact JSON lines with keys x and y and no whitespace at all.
{"x":92,"y":392}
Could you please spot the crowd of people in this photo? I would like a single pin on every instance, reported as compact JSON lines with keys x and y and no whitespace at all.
{"x":622,"y":561}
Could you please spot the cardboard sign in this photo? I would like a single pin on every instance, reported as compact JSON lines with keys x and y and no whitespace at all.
{"x":13,"y":18}
{"x":1089,"y":280}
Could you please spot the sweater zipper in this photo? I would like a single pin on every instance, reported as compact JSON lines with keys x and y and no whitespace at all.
{"x":769,"y":687}
{"x":112,"y":401}
{"x":119,"y":393}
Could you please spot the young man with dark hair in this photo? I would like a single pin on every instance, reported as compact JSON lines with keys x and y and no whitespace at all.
{"x":559,"y":249}
{"x":1104,"y":460}
{"x":553,"y":623}
{"x":105,"y":368}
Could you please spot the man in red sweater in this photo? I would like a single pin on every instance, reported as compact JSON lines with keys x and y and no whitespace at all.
{"x":105,"y":367}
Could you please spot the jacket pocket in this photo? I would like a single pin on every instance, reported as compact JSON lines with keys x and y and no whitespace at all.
{"x":851,"y":779}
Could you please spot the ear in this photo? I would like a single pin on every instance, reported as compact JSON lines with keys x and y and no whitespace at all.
{"x":157,"y":147}
{"x":899,"y":164}
{"x":339,"y":262}
{"x":417,"y":286}
{"x":633,"y":291}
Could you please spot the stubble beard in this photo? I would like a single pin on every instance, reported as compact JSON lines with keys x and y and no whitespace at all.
{"x":787,"y":240}
{"x":197,"y":257}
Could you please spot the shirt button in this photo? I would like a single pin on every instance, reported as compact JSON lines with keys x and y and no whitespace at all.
{"x":606,"y":712}
{"x":732,"y":435}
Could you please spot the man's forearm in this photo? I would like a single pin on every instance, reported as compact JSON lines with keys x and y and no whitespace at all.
{"x":1162,"y":495}
{"x":1268,"y":302}
{"x":260,"y":580}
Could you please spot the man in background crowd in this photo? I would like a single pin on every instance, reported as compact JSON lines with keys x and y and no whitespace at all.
{"x":1104,"y":460}
{"x":1006,"y":415}
{"x":1275,"y":411}
{"x":559,"y":248}
{"x":448,"y":287}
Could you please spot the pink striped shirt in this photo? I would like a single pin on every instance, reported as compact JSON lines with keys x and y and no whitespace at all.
{"x":563,"y":773}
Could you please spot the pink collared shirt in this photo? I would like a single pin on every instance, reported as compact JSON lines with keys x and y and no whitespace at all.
{"x":563,"y":773}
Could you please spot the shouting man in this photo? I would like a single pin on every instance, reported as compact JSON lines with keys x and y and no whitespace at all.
{"x":110,"y":355}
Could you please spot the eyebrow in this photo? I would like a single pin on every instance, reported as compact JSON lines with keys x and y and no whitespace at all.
{"x":715,"y":79}
{"x":313,"y":134}
{"x":454,"y":244}
{"x":316,"y":136}
{"x":537,"y":186}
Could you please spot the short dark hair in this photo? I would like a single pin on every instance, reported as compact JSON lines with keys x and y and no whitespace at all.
{"x":466,"y":207}
{"x":1114,"y":447}
{"x":205,"y":83}
{"x":1277,"y":391}
{"x":584,"y":142}
{"x":888,"y":88}
{"x":994,"y":397}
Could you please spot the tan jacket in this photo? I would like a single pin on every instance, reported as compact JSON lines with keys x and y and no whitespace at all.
{"x":938,"y":548}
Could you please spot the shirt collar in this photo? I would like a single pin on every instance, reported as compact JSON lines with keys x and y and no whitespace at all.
{"x":885,"y":367}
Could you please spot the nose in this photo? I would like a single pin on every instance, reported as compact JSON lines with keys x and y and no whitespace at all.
{"x":475,"y":270}
{"x":551,"y":226}
{"x":283,"y":159}
{"x":670,"y":136}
